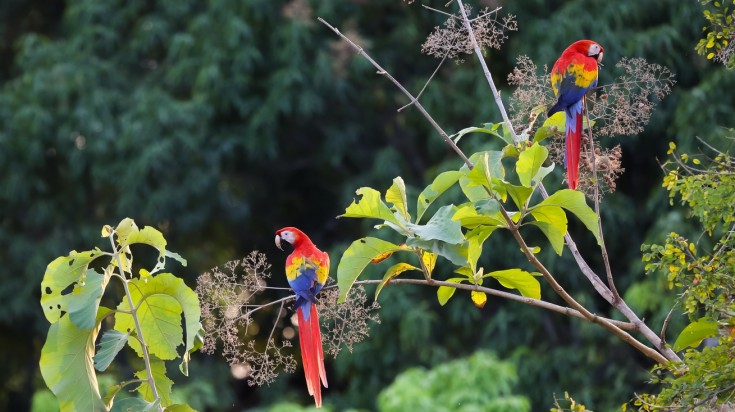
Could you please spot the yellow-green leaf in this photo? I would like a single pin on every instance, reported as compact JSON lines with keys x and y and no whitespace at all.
{"x":479,"y":298}
{"x":529,"y":162}
{"x":392,"y":272}
{"x":370,"y":205}
{"x":357,"y":256}
{"x":694,"y":333}
{"x":396,"y":195}
{"x":519,"y":279}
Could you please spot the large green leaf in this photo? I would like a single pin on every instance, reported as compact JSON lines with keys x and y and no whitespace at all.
{"x":694,"y":333}
{"x":357,"y":256}
{"x":440,"y":227}
{"x":455,"y":253}
{"x":68,"y":286}
{"x":518,"y":279}
{"x":553,"y":223}
{"x":160,"y":301}
{"x":488,"y":167}
{"x":396,"y":195}
{"x":519,"y":194}
{"x":370,"y":205}
{"x":469,"y":215}
{"x":162,"y":382}
{"x":529,"y":163}
{"x":573,"y":201}
{"x":111,"y":343}
{"x":67,"y":366}
{"x":556,"y":124}
{"x":440,"y":185}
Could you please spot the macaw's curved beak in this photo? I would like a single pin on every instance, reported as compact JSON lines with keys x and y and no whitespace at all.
{"x":278,"y":242}
{"x":599,"y":59}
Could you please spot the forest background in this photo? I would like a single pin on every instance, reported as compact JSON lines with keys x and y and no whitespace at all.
{"x":219,"y":122}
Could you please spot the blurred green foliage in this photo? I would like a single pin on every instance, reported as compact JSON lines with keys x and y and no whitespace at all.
{"x":478,"y":383}
{"x":219,"y":122}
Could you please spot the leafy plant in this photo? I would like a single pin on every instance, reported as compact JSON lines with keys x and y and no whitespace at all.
{"x":147,"y":318}
{"x":719,"y":41}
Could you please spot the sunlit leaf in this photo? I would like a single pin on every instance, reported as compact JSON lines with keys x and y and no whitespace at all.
{"x":160,"y":301}
{"x":357,"y":256}
{"x":694,"y":333}
{"x":477,"y":182}
{"x":440,"y":227}
{"x":429,"y":261}
{"x":553,"y":223}
{"x":518,"y":279}
{"x":573,"y":201}
{"x":529,"y":162}
{"x":468,"y":215}
{"x":162,"y":382}
{"x":392,"y":272}
{"x":67,"y":366}
{"x":371,"y":206}
{"x":444,"y":293}
{"x":478,"y":298}
{"x":68,"y":286}
{"x":396,"y":195}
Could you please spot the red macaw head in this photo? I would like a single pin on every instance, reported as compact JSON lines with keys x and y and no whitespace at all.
{"x":588,"y":48}
{"x":291,"y":235}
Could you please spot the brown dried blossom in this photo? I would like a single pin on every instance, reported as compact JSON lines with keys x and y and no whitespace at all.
{"x":246,"y":325}
{"x":453,"y":39}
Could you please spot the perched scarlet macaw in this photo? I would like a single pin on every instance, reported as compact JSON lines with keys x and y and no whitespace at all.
{"x":572,"y":76}
{"x":307,"y":269}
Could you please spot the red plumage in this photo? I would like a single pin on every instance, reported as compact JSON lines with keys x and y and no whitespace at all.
{"x":307,"y":269}
{"x":572,"y":76}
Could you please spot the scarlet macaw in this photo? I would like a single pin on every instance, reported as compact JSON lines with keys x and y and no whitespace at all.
{"x":307,"y":269}
{"x":572,"y":76}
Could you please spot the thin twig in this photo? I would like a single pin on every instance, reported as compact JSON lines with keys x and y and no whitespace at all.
{"x":603,"y":248}
{"x":427,"y":83}
{"x":486,"y":70}
{"x":418,"y":105}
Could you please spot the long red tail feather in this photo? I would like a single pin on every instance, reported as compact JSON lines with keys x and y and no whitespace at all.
{"x":312,"y":353}
{"x":573,"y":147}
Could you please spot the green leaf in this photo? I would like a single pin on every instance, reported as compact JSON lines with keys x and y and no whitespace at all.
{"x":694,"y":333}
{"x":444,"y":293}
{"x":556,"y":124}
{"x":128,"y":234}
{"x":392,"y":272}
{"x":489,"y":128}
{"x":440,"y":227}
{"x":111,"y":343}
{"x":573,"y":201}
{"x":468,"y":215}
{"x":134,"y":404}
{"x":176,"y":257}
{"x":370,"y":206}
{"x":553,"y":223}
{"x":519,"y":194}
{"x":87,"y":287}
{"x":518,"y":279}
{"x":529,"y":163}
{"x":162,"y":382}
{"x":67,"y":366}
{"x":160,"y":301}
{"x":440,"y":185}
{"x":357,"y":256}
{"x":488,"y":167}
{"x":396,"y":195}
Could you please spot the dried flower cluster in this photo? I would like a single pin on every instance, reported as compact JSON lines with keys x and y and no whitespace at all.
{"x":625,"y":106}
{"x":347,"y":324}
{"x":620,"y":108}
{"x":246,"y":323}
{"x":453,"y":39}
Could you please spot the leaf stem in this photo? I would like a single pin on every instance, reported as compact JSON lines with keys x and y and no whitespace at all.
{"x":138,"y":328}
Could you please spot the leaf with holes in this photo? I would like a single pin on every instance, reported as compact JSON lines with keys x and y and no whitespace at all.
{"x":370,"y":206}
{"x":68,"y":286}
